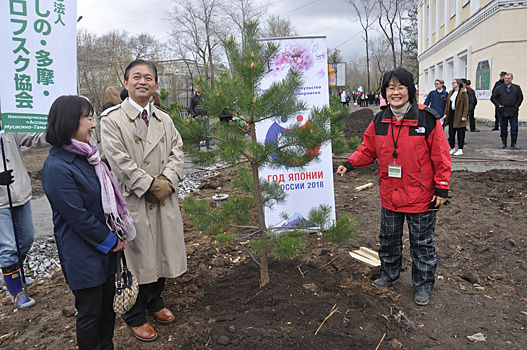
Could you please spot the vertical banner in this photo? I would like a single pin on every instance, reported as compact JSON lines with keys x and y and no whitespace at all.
{"x":332,"y":75}
{"x":312,"y":185}
{"x":38,"y":60}
{"x":483,"y":69}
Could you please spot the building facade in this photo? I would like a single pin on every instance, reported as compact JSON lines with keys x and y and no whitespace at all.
{"x":476,"y":40}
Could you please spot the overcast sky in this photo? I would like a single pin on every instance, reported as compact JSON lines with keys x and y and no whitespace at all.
{"x":334,"y":19}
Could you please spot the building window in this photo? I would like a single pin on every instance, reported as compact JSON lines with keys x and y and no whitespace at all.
{"x":426,"y":81}
{"x":449,"y":74}
{"x":439,"y":71}
{"x":452,"y":8}
{"x":427,"y":21}
{"x":432,"y":78}
{"x":443,"y":11}
{"x":433,"y":15}
{"x":462,"y":64}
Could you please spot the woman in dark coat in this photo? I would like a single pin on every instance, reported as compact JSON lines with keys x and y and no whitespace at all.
{"x":456,"y":113}
{"x":78,"y":189}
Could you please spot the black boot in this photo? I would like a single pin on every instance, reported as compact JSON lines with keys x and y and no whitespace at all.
{"x":503,"y":142}
{"x":514,"y":139}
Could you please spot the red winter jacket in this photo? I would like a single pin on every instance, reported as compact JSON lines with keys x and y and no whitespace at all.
{"x":422,"y":153}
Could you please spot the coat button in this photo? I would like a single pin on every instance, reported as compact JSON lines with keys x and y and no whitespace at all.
{"x":162,"y":139}
{"x":137,"y":141}
{"x":147,"y":162}
{"x":162,"y":205}
{"x":395,"y":188}
{"x":151,"y":207}
{"x":162,"y":161}
{"x":130,"y":120}
{"x":395,"y":208}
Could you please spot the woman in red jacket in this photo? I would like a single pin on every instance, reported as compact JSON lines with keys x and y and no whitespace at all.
{"x":408,"y":141}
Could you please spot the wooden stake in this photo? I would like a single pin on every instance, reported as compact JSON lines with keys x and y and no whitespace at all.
{"x":363,"y":187}
{"x":332,"y":312}
{"x":377,"y":348}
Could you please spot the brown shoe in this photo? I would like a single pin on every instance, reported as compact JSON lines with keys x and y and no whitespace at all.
{"x":164,"y":316}
{"x":145,"y":332}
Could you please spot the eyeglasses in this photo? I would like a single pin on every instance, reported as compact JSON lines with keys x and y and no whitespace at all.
{"x":399,"y":88}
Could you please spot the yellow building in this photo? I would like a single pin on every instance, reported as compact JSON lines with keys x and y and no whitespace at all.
{"x":476,"y":40}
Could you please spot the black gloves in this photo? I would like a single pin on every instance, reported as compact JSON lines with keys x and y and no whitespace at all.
{"x":6,"y":178}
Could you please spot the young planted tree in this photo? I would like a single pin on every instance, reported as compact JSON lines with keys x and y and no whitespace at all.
{"x":241,"y":95}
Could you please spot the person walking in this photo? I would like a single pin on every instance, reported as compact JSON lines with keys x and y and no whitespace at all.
{"x":80,"y":190}
{"x":501,"y":81}
{"x":456,"y":113}
{"x":197,"y":112}
{"x":145,"y":152}
{"x":343,"y":98}
{"x":414,"y":173}
{"x":436,"y":98}
{"x":508,"y":98}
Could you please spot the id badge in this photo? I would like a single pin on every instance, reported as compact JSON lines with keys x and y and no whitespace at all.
{"x":394,"y":170}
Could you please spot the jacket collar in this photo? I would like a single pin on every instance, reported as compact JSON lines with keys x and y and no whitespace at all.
{"x":412,"y":114}
{"x":61,"y":153}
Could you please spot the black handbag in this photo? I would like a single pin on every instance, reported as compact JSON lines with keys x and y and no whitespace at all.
{"x":126,"y":286}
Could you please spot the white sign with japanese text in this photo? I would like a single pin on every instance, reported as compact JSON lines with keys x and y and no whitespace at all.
{"x":312,"y":185}
{"x":38,"y":60}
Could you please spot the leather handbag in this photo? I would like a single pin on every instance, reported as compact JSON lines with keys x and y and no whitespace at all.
{"x":126,"y":287}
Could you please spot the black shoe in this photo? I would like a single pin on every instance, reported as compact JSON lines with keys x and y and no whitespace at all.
{"x":382,"y":283}
{"x":494,"y":129}
{"x":422,"y":298}
{"x":475,"y":130}
{"x":515,"y":146}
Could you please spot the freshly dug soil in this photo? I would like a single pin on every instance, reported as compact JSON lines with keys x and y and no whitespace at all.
{"x":324,"y":299}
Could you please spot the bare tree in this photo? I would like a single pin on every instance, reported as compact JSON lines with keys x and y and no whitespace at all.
{"x":365,"y":12}
{"x":278,"y":27}
{"x":390,"y":12}
{"x":240,"y":11}
{"x":196,"y":30}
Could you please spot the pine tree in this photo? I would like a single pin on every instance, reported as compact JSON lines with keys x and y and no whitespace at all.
{"x":238,"y":94}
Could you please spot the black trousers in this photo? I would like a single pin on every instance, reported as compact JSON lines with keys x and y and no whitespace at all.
{"x":95,"y":318}
{"x":453,"y":131}
{"x":149,"y":299}
{"x":471,"y":120}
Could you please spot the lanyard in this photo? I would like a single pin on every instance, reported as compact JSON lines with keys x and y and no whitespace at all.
{"x":398,"y":134}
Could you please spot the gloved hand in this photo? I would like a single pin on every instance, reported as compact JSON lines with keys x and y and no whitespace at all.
{"x":6,"y":178}
{"x":150,"y":198}
{"x":161,"y":188}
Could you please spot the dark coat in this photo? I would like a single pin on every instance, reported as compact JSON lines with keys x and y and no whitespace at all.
{"x":437,"y":101}
{"x":195,"y":106}
{"x":510,"y":100}
{"x":83,"y":239}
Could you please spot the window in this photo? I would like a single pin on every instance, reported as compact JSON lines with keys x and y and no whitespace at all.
{"x":439,"y":71}
{"x":425,"y":81}
{"x":462,"y":64}
{"x":452,"y":8}
{"x":427,"y":21}
{"x":434,"y":15}
{"x":443,"y":11}
{"x":432,"y":79}
{"x":449,"y":74}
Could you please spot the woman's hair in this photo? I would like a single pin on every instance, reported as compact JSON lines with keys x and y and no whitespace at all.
{"x":64,"y":117}
{"x":157,"y":100}
{"x":460,"y":83}
{"x":111,"y":95}
{"x":404,"y":77}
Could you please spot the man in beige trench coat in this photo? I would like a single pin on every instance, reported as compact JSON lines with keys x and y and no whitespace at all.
{"x":145,"y":153}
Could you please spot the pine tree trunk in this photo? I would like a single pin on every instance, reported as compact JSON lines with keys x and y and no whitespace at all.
{"x":264,"y":266}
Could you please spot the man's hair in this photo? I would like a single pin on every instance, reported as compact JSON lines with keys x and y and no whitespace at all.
{"x":469,"y":82}
{"x":464,"y":81}
{"x":140,"y":62}
{"x":404,"y":77}
{"x":512,"y":76}
{"x":460,"y":82}
{"x":441,"y":81}
{"x":64,"y":118}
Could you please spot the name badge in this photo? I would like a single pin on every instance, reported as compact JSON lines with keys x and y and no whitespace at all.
{"x":394,"y":170}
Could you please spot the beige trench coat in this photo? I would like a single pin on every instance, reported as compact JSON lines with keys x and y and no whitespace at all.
{"x":137,"y":154}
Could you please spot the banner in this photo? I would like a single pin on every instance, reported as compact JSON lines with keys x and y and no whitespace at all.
{"x":38,"y":60}
{"x":341,"y":74}
{"x":312,"y":185}
{"x":483,"y":69}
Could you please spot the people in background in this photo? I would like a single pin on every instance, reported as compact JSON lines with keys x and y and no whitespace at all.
{"x":472,"y":102}
{"x":508,"y":98}
{"x":501,"y":81}
{"x":112,"y":98}
{"x":455,"y":116}
{"x":436,"y":98}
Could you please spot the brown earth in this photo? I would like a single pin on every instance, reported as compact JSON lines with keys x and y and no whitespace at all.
{"x":480,"y":287}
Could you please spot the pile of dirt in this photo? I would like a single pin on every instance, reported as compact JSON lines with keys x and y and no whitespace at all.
{"x":324,"y":299}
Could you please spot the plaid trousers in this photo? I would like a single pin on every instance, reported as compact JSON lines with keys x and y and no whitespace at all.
{"x":424,"y":256}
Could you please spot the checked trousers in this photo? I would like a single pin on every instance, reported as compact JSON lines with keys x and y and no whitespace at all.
{"x":424,"y":257}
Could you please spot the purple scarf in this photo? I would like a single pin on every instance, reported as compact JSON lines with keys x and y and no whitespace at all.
{"x":117,"y":216}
